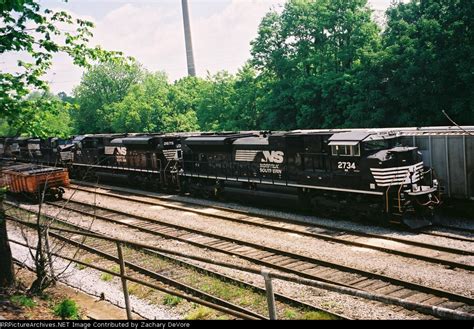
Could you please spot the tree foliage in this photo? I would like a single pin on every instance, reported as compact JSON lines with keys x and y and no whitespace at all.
{"x":315,"y":64}
{"x":156,"y":106}
{"x":43,"y":114}
{"x":309,"y":56}
{"x":35,"y":33}
{"x":428,"y":62}
{"x":101,"y":86}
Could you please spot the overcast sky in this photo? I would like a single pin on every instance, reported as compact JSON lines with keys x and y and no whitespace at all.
{"x":152,"y":32}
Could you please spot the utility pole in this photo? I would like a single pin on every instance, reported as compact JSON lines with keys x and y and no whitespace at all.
{"x":187,"y":39}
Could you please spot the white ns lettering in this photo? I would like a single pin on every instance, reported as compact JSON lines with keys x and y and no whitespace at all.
{"x":273,"y":156}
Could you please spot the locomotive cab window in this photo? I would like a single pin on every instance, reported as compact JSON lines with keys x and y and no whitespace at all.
{"x":345,"y":150}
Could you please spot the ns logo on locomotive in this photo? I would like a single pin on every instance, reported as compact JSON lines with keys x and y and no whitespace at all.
{"x":353,"y":171}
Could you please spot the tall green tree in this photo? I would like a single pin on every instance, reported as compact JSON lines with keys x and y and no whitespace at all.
{"x":155,"y":106}
{"x":307,"y":57}
{"x":184,"y":98}
{"x":216,"y":107}
{"x":44,"y":114}
{"x":246,"y":111}
{"x":103,"y":85}
{"x":428,"y":62}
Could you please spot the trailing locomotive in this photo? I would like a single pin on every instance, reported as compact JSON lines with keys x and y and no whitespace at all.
{"x":341,"y":171}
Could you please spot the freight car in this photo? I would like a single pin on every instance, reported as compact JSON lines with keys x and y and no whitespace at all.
{"x":35,"y":181}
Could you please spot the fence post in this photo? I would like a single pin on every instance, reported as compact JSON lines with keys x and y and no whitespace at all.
{"x":270,"y":296}
{"x":124,"y":281}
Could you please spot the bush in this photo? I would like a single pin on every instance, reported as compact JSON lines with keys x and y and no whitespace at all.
{"x":67,"y":309}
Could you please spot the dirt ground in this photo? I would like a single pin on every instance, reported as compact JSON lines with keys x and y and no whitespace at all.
{"x":17,"y":305}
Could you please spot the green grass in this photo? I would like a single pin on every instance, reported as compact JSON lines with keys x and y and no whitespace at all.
{"x":200,"y":313}
{"x":86,"y":260}
{"x":115,"y":268}
{"x":224,"y":290}
{"x":171,"y":300}
{"x":314,"y":315}
{"x":67,"y":309}
{"x":80,"y":267}
{"x":23,"y":301}
{"x":140,"y":290}
{"x":289,"y":314}
{"x":109,"y":277}
{"x":106,"y":277}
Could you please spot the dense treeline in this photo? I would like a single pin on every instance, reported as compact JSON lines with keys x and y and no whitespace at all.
{"x":315,"y":64}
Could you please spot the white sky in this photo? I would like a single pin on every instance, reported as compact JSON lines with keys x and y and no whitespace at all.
{"x":152,"y":32}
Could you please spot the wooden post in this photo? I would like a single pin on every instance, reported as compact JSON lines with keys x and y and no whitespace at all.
{"x":124,"y":281}
{"x":270,"y":296}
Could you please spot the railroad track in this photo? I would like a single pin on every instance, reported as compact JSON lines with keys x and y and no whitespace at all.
{"x":141,"y":268}
{"x":461,"y":234}
{"x":464,"y":235}
{"x":433,"y":253}
{"x":450,"y":231}
{"x":303,"y":266}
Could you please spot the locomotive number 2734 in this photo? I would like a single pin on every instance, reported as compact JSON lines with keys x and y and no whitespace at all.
{"x":346,"y":165}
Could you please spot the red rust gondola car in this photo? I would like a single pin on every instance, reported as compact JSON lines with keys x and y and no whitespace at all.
{"x":34,"y":180}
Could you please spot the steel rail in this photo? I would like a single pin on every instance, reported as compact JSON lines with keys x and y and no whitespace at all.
{"x":283,"y":229}
{"x":146,"y":249}
{"x":426,"y":309}
{"x":217,"y":306}
{"x":430,"y":259}
{"x":292,"y":257}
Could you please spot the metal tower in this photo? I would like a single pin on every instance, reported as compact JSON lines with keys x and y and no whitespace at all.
{"x":187,"y":38}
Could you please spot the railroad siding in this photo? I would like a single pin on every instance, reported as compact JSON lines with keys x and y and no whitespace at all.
{"x":452,"y":158}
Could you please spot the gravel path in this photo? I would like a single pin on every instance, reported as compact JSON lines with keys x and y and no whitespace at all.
{"x":88,"y":281}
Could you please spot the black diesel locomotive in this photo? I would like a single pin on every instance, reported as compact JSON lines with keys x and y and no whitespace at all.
{"x":355,"y":172}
